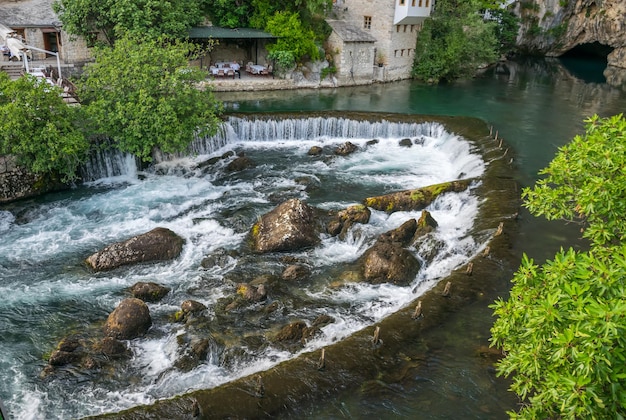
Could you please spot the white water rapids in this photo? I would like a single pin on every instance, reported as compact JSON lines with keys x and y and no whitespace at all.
{"x":48,"y":293}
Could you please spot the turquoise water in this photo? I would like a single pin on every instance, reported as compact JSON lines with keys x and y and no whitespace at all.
{"x":536,"y":107}
{"x":47,"y":292}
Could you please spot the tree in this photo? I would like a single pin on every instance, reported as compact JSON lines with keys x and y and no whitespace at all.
{"x":143,"y":95}
{"x":454,"y":42}
{"x":563,"y":328}
{"x":294,"y":39}
{"x":39,"y":128}
{"x":138,"y":18}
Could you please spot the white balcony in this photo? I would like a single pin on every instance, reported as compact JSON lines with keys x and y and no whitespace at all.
{"x":412,"y":12}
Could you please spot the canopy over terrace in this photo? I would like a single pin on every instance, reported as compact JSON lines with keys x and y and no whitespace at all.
{"x":252,"y":40}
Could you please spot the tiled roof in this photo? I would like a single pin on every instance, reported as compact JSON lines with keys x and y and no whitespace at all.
{"x":350,"y":33}
{"x":216,"y":32}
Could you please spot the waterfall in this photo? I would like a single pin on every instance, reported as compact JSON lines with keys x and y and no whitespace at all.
{"x":107,"y":163}
{"x":245,"y":129}
{"x":111,"y":163}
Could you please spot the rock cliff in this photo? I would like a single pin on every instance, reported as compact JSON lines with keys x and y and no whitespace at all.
{"x":554,"y":27}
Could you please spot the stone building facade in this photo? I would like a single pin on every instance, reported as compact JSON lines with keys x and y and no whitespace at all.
{"x":393,"y":24}
{"x":37,"y":24}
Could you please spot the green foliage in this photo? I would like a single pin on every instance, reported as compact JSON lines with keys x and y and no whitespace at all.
{"x":563,"y":328}
{"x":507,"y":26}
{"x":143,"y":95}
{"x":139,"y":18}
{"x":586,"y":182}
{"x":85,"y":18}
{"x":283,"y":60}
{"x":229,"y":14}
{"x":39,"y":128}
{"x":293,"y":37}
{"x":559,"y":30}
{"x":454,"y":42}
{"x":326,"y":71}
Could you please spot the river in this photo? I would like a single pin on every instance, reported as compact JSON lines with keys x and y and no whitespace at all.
{"x":535,"y":107}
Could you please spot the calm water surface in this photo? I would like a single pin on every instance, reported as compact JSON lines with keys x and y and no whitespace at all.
{"x":536,"y":107}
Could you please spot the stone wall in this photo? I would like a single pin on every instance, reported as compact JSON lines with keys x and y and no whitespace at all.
{"x":16,"y":182}
{"x":395,"y":45}
{"x":354,"y":60}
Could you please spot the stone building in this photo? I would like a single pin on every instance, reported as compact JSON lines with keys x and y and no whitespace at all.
{"x":38,"y":26}
{"x":388,"y":28}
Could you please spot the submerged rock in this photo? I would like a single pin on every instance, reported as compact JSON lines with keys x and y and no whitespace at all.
{"x":149,"y":291}
{"x":346,"y":149}
{"x":315,"y":151}
{"x":159,"y":244}
{"x":131,"y":319}
{"x":240,"y":163}
{"x":288,"y":227}
{"x":295,"y":272}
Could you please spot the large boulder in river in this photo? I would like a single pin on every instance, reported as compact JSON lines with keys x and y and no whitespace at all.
{"x":288,"y":227}
{"x":159,"y":244}
{"x":418,"y":199}
{"x":388,"y":262}
{"x":129,"y":320}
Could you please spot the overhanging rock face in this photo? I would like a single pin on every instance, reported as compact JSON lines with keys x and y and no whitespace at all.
{"x":552,"y":29}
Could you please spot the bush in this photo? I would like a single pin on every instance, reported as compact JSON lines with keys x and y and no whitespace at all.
{"x":39,"y":128}
{"x":563,"y":328}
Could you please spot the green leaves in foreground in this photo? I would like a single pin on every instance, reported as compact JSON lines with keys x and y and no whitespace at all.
{"x":563,"y":331}
{"x":143,"y":95}
{"x":563,"y":328}
{"x":586,"y":182}
{"x":39,"y":128}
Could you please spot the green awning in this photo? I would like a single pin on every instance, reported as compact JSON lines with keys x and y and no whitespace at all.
{"x":216,"y":32}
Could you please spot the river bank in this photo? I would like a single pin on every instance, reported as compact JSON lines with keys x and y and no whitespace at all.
{"x":246,"y":82}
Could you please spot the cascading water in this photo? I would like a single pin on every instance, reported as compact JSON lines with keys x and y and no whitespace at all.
{"x":48,"y":293}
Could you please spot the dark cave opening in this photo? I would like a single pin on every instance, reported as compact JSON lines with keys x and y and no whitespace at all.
{"x":594,"y":50}
{"x":587,"y":61}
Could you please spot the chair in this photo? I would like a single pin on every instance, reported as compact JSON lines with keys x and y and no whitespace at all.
{"x":264,"y":71}
{"x":230,"y":72}
{"x":249,"y":66}
{"x":220,"y":72}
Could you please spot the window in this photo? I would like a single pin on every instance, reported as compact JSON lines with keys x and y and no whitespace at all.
{"x":404,"y":28}
{"x":397,"y":28}
{"x":413,"y":3}
{"x":421,"y":1}
{"x":402,"y":2}
{"x":367,"y":22}
{"x":427,"y":3}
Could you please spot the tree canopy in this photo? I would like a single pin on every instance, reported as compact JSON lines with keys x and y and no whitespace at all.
{"x":563,"y":328}
{"x":139,"y":18}
{"x":454,"y":42}
{"x":143,"y":95}
{"x":39,"y":128}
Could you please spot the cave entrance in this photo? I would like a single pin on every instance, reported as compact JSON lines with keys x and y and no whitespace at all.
{"x":591,"y":51}
{"x":587,"y":61}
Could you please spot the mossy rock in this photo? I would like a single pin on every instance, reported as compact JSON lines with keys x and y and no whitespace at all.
{"x":417,"y":199}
